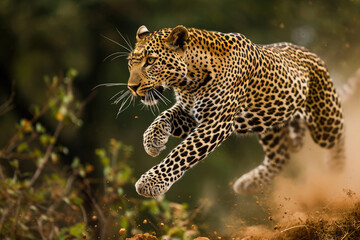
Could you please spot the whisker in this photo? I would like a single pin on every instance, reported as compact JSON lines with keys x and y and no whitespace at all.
{"x":148,"y":99}
{"x":122,"y":105}
{"x":152,"y":110}
{"x":119,"y":56}
{"x":129,"y":104}
{"x":155,"y":106}
{"x":116,"y":95}
{"x":153,"y":97}
{"x":109,"y":85}
{"x":162,"y":97}
{"x":127,"y":37}
{"x":117,"y":43}
{"x":143,"y":106}
{"x":126,"y":41}
{"x":157,"y":94}
{"x":122,"y":97}
{"x":117,"y":53}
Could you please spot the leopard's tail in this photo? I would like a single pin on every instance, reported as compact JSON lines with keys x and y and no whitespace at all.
{"x":349,"y":88}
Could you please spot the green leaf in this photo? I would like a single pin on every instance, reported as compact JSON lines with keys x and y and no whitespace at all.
{"x":22,"y":147}
{"x":44,"y":139}
{"x":124,"y":222}
{"x":75,"y":163}
{"x":120,"y":191}
{"x":77,"y":200}
{"x":72,"y":73}
{"x":124,"y":176}
{"x":39,"y":128}
{"x":77,"y":229}
{"x":15,"y":163}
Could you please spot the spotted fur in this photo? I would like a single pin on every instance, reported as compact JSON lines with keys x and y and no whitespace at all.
{"x":224,"y":83}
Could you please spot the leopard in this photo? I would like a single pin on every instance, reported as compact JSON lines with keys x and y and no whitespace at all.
{"x":223,"y":84}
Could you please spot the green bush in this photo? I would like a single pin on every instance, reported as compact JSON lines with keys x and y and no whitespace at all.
{"x":42,"y":196}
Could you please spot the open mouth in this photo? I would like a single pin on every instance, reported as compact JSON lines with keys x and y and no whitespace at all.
{"x":152,"y":96}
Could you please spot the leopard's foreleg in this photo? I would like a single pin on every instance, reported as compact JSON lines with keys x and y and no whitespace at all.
{"x":201,"y":141}
{"x":173,"y":121}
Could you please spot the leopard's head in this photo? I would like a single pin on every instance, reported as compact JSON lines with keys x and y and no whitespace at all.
{"x":157,"y":62}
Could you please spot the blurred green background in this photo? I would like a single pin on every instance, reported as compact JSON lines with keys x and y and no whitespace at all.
{"x":42,"y":37}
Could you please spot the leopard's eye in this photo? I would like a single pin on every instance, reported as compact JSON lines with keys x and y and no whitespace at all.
{"x":150,"y":60}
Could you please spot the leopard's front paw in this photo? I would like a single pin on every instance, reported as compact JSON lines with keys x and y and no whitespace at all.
{"x":153,"y":150}
{"x":149,"y":186}
{"x":155,"y":139}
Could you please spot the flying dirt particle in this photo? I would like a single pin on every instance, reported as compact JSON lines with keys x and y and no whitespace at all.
{"x":145,"y":236}
{"x":122,"y":231}
{"x":83,"y":235}
{"x":270,"y":218}
{"x":94,"y":218}
{"x":136,"y":117}
{"x":349,"y":193}
{"x":162,"y":224}
{"x":145,"y":221}
{"x":277,"y":227}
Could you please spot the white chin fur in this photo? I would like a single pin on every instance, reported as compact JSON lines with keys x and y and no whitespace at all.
{"x":150,"y":103}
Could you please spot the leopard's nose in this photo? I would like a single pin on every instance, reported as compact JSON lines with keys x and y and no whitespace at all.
{"x":133,"y":88}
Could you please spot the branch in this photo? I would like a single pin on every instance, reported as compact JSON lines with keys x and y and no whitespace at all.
{"x":49,"y":150}
{"x":7,"y":105}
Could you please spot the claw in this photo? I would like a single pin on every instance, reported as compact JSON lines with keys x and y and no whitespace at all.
{"x":154,"y":151}
{"x":246,"y":185}
{"x":147,"y":188}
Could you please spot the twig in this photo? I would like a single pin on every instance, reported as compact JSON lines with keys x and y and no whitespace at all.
{"x":66,"y":191}
{"x":13,"y":227}
{"x":40,"y":229}
{"x":197,"y":210}
{"x":84,"y":103}
{"x":51,"y":235}
{"x":297,"y":226}
{"x":103,"y":220}
{"x":12,"y":143}
{"x":98,"y":209}
{"x":83,"y":213}
{"x":47,"y":154}
{"x":347,"y":235}
{"x":4,"y":215}
{"x":6,"y":106}
{"x":2,"y":176}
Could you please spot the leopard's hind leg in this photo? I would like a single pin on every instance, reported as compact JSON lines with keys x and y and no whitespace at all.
{"x":276,"y":143}
{"x":329,"y":134}
{"x":325,"y":120}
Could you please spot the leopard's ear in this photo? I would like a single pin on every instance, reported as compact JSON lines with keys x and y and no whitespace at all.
{"x":141,"y":33}
{"x":177,"y":39}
